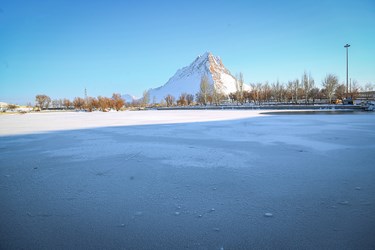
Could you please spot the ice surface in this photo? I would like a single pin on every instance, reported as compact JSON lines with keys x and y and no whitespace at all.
{"x":187,"y":179}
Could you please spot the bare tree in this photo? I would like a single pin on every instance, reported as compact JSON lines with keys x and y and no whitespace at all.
{"x":217,"y":95}
{"x":295,"y":90}
{"x":330,"y":83}
{"x":162,"y":103}
{"x":256,"y":92}
{"x":67,"y":103}
{"x":169,"y":99}
{"x":118,"y":102}
{"x":307,"y":84}
{"x":182,"y":100}
{"x":104,"y":103}
{"x":189,"y":99}
{"x":340,"y":91}
{"x":91,"y":104}
{"x":145,"y":98}
{"x":42,"y":101}
{"x":311,"y":83}
{"x":314,"y":94}
{"x":277,"y":91}
{"x":354,"y":90}
{"x":56,"y":103}
{"x":79,"y":103}
{"x":289,"y":92}
{"x":11,"y":107}
{"x":247,"y":96}
{"x":136,"y":103}
{"x":266,"y":92}
{"x":368,"y":89}
{"x":284,"y":93}
{"x":322,"y":94}
{"x":233,"y":97}
{"x":48,"y":102}
{"x":240,"y":87}
{"x":204,"y":91}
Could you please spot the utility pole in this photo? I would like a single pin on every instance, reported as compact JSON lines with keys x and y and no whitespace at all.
{"x":347,"y":82}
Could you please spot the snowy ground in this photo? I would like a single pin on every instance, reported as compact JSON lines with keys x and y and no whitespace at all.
{"x":187,"y":179}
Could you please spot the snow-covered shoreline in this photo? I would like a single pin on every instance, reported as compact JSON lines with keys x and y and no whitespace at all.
{"x":187,"y":179}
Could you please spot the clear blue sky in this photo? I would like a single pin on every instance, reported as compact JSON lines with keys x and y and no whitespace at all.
{"x":60,"y":47}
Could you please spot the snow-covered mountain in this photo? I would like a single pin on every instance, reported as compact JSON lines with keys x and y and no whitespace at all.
{"x":187,"y":80}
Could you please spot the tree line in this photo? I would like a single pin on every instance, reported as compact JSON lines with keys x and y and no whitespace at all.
{"x":298,"y":91}
{"x":101,"y":103}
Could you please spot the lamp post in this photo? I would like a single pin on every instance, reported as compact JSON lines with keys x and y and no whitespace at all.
{"x":347,"y":46}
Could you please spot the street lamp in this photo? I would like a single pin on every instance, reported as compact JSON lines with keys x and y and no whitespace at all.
{"x":347,"y":46}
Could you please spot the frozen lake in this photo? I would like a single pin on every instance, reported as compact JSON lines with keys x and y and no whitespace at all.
{"x":187,"y":179}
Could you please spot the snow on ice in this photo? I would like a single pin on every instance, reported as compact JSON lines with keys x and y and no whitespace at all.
{"x":187,"y":179}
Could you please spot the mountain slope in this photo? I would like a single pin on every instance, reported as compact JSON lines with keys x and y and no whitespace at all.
{"x":187,"y":79}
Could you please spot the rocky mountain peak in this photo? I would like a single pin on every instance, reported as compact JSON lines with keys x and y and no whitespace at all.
{"x":187,"y":79}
